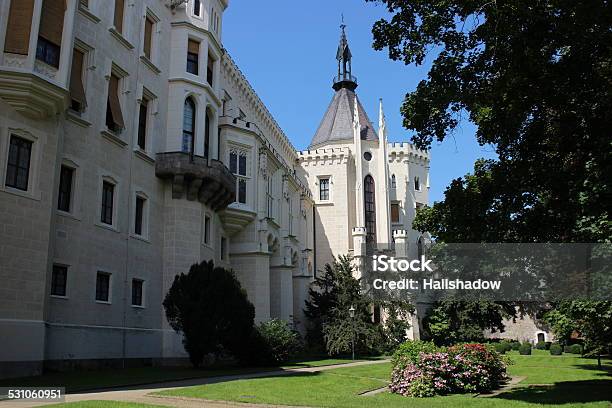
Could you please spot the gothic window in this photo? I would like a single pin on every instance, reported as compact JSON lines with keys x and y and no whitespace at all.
{"x":207,"y":130}
{"x":324,"y":189}
{"x":188,"y":126}
{"x":370,"y":208}
{"x":417,"y":184}
{"x":238,"y":167}
{"x":393,"y":181}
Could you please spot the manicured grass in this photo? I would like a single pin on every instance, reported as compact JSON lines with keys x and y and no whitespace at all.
{"x":77,"y":381}
{"x":103,"y":404}
{"x":566,"y":380}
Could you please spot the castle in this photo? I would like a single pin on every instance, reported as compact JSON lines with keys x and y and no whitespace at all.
{"x":132,"y":146}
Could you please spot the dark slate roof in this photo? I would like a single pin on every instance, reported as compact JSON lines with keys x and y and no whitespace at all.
{"x":337,"y":123}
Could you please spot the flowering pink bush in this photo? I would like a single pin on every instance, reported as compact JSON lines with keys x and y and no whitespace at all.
{"x":460,"y":369}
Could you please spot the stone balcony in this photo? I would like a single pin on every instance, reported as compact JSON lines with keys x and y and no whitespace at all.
{"x":197,"y":178}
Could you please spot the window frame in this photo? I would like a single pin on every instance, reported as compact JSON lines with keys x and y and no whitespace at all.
{"x":207,"y":229}
{"x":193,"y":58}
{"x":142,"y":304}
{"x":51,"y":286}
{"x":320,"y":182}
{"x":189,"y":100}
{"x":109,"y":291}
{"x":71,"y":193}
{"x":399,"y":216}
{"x":242,"y":177}
{"x":116,"y":201}
{"x":15,"y":185}
{"x":145,"y":219}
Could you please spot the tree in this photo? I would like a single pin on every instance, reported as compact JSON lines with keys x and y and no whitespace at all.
{"x":331,"y":296}
{"x":453,"y":321}
{"x":592,"y":319}
{"x":211,"y":309}
{"x":535,"y":78}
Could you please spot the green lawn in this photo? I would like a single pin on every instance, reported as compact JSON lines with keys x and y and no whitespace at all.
{"x":566,"y":380}
{"x":104,"y":404}
{"x":76,"y":381}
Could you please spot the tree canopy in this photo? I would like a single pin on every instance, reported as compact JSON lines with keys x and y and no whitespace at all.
{"x":536,"y":79}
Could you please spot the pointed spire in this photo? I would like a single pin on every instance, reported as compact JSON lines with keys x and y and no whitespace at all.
{"x":356,"y":122}
{"x":382,"y":123}
{"x":344,"y":77}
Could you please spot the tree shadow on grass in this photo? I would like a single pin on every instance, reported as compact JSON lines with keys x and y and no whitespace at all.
{"x":562,"y":392}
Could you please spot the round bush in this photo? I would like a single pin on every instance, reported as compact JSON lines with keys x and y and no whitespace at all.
{"x":575,"y":349}
{"x":525,"y":349}
{"x":515,"y":345}
{"x":500,"y":348}
{"x":556,"y":350}
{"x":541,"y":345}
{"x":282,"y":341}
{"x":408,"y":352}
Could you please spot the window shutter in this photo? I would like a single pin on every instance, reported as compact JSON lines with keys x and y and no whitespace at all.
{"x":19,"y":27}
{"x":118,"y":20}
{"x":113,"y":99}
{"x":77,"y":90}
{"x":52,"y":21}
{"x":193,"y":47}
{"x":148,"y":37}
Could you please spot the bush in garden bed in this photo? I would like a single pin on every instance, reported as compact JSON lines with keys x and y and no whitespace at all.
{"x":556,"y":350}
{"x":408,"y":352}
{"x":460,"y":369}
{"x":525,"y":349}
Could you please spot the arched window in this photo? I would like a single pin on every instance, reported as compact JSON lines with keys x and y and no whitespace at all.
{"x":417,"y":184}
{"x":369,"y":200}
{"x":207,"y":130}
{"x":197,"y":6}
{"x":188,"y":126}
{"x":420,"y":247}
{"x":393,"y":182}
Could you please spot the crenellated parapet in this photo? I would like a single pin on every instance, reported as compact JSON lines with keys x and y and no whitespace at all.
{"x":332,"y":155}
{"x":407,"y":152}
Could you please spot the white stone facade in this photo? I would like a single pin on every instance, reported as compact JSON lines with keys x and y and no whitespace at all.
{"x":169,"y":206}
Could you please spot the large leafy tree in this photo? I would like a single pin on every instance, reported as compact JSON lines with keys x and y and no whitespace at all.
{"x":535,"y":77}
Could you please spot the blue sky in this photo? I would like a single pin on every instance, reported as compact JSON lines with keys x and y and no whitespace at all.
{"x":287,"y":51}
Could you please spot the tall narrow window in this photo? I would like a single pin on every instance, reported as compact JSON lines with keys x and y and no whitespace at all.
{"x":193,"y":55}
{"x":393,"y":181}
{"x":50,"y":32}
{"x":395,"y":213}
{"x":210,"y":70}
{"x":108,"y":193}
{"x":207,"y":130}
{"x":59,"y":277}
{"x":19,"y":26}
{"x":188,"y":126}
{"x":77,"y":89}
{"x":64,"y":196}
{"x":417,"y":184}
{"x":148,"y":37}
{"x":143,"y":113}
{"x":206,"y":229}
{"x":114,"y":116}
{"x":139,"y":215}
{"x":137,"y":298}
{"x":103,"y":287}
{"x":18,"y":166}
{"x":370,"y":209}
{"x":324,"y":189}
{"x":270,"y":197}
{"x":223,"y":247}
{"x":118,"y":17}
{"x":238,"y":167}
{"x":197,"y":8}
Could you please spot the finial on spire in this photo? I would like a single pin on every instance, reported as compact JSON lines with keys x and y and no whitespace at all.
{"x":344,"y":78}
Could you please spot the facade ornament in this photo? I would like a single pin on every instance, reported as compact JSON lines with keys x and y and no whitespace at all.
{"x":263,"y":163}
{"x":286,"y":186}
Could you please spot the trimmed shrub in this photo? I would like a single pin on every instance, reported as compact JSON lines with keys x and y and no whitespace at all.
{"x":515,"y":345}
{"x":541,"y":345}
{"x":461,"y":369}
{"x":282,"y":341}
{"x":500,"y":348}
{"x":408,"y":352}
{"x":525,"y":349}
{"x":556,"y":350}
{"x":548,"y":344}
{"x":507,"y":345}
{"x":575,"y":349}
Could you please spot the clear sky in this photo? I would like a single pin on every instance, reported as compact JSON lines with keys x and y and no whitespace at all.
{"x":287,"y":51}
